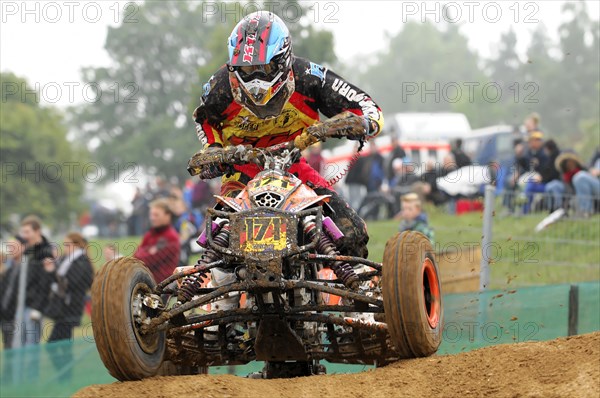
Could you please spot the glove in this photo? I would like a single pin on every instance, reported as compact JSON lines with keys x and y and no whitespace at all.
{"x":216,"y":161}
{"x":344,"y":125}
{"x":208,"y":172}
{"x":238,"y":154}
{"x":356,"y":128}
{"x":356,"y":134}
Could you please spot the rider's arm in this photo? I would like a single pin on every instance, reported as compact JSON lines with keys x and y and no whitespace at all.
{"x":208,"y":135}
{"x":335,"y":95}
{"x":209,"y":115}
{"x":207,"y":118}
{"x":212,"y":142}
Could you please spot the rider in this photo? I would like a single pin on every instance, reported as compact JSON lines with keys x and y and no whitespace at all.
{"x":265,"y":96}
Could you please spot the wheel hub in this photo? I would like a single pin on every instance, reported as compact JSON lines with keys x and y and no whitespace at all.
{"x":431,"y":290}
{"x":140,"y":315}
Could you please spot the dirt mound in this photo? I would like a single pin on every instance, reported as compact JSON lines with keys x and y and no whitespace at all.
{"x":566,"y":367}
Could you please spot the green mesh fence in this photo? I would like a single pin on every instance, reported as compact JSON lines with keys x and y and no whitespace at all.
{"x":471,"y":321}
{"x":524,"y":314}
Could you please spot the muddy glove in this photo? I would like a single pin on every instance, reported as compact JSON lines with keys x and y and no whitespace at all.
{"x":217,"y":161}
{"x":208,"y":172}
{"x":209,"y":163}
{"x":239,"y":154}
{"x":356,"y":134}
{"x":345,"y":125}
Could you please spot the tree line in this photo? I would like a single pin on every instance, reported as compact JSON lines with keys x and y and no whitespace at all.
{"x":164,"y":59}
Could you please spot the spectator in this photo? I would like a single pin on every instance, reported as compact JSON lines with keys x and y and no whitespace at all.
{"x":404,"y":173}
{"x":201,"y":196}
{"x":107,"y":218}
{"x":429,"y":177}
{"x":111,"y":252}
{"x":553,"y":185}
{"x":148,"y":193}
{"x":448,"y":164}
{"x":37,"y":248}
{"x":460,"y":157}
{"x":9,"y":283}
{"x":356,"y":179}
{"x":187,"y":192}
{"x":176,"y":193}
{"x":586,"y":186}
{"x":160,"y":246}
{"x":413,"y":217}
{"x":71,"y":277}
{"x":85,"y":219}
{"x":532,"y":122}
{"x":315,"y":159}
{"x":187,"y":224}
{"x":138,"y":215}
{"x":397,"y":153}
{"x":512,"y":177}
{"x":595,"y":164}
{"x":536,"y":162}
{"x":374,"y":169}
{"x":162,"y":189}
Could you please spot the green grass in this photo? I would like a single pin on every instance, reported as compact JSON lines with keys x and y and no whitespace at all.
{"x":565,"y":252}
{"x":523,"y":257}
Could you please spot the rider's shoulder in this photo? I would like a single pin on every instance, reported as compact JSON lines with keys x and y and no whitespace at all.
{"x":308,"y":74}
{"x":216,"y":97}
{"x":217,"y":88}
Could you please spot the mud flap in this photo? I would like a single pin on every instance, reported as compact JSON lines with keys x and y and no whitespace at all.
{"x":276,"y":341}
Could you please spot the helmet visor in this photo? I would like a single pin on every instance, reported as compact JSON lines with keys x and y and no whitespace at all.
{"x":266,"y":72}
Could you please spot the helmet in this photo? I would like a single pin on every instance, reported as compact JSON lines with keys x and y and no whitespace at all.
{"x":260,"y":64}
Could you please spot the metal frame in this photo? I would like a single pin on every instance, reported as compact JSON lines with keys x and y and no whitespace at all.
{"x":348,"y":340}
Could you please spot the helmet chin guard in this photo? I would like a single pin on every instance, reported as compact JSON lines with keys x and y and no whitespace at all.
{"x":261,"y":98}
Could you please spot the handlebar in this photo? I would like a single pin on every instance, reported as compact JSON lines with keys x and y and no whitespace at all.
{"x":343,"y":125}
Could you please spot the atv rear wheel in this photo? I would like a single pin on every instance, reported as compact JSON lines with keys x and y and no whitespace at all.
{"x":412,"y":297}
{"x":117,"y":313}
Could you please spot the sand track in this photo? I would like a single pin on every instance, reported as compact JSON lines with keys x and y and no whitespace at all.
{"x":566,"y":367}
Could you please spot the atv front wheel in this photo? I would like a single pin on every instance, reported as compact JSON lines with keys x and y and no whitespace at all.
{"x":117,"y":314}
{"x":412,"y":297}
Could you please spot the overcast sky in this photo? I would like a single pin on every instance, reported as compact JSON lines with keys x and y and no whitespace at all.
{"x":49,"y":42}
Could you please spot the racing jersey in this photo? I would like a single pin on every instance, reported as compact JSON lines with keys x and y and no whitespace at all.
{"x":221,"y":121}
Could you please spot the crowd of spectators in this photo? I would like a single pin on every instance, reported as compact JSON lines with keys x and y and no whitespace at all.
{"x":540,"y":177}
{"x":56,"y":280}
{"x":555,"y":177}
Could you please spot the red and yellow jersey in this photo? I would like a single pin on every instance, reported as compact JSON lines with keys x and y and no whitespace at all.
{"x":220,"y":121}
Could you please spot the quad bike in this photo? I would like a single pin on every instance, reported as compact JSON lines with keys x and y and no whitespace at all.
{"x":293,"y":299}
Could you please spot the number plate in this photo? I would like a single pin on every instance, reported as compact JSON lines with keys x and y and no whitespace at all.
{"x":263,"y":234}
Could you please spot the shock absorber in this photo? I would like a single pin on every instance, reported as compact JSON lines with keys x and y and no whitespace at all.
{"x":192,"y":283}
{"x":342,"y":270}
